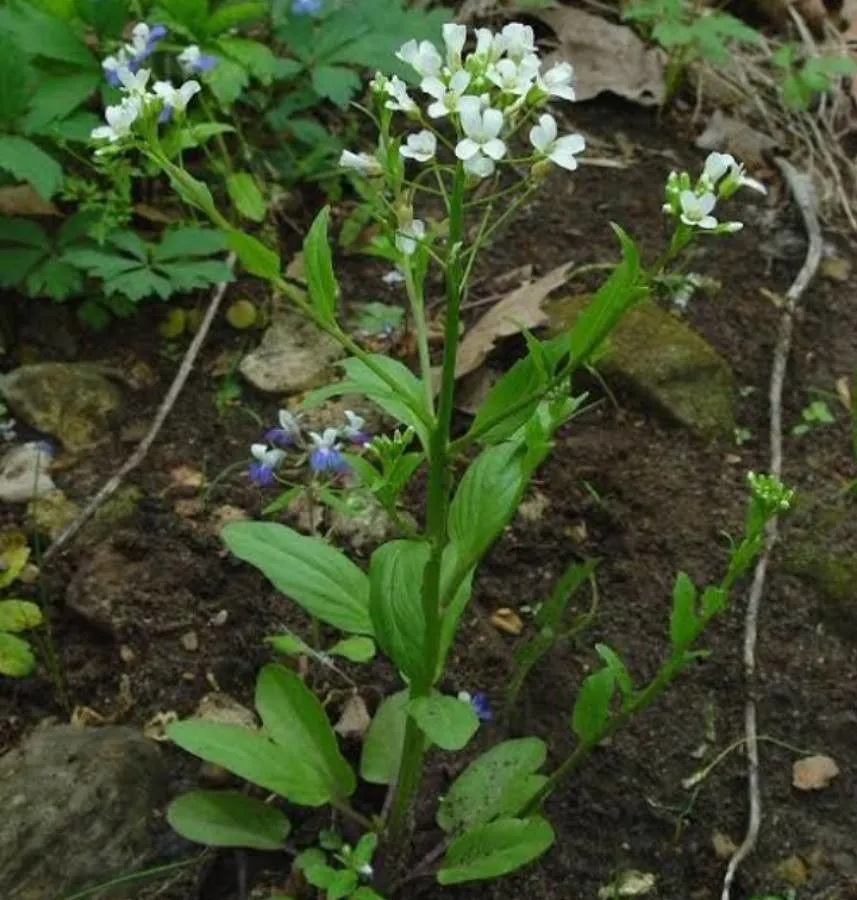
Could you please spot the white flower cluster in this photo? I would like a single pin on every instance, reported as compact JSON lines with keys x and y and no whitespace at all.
{"x":693,"y":204}
{"x":486,"y":94}
{"x":137,"y":101}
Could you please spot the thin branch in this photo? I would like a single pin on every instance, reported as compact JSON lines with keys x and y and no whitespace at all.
{"x":109,"y":488}
{"x":800,"y":185}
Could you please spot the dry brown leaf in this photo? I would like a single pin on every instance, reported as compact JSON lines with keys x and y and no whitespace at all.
{"x":835,"y":268}
{"x":22,"y":200}
{"x":156,"y":728}
{"x":220,"y":707}
{"x":606,"y":57}
{"x":354,"y":718}
{"x":814,"y":773}
{"x":727,"y":134}
{"x":507,"y":620}
{"x":185,"y":476}
{"x":723,"y":845}
{"x":474,"y":388}
{"x":517,"y":311}
{"x":843,"y":391}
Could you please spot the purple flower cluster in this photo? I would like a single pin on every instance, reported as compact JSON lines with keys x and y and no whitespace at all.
{"x":144,"y":42}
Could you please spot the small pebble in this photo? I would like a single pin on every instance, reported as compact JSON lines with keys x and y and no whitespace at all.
{"x":126,"y":654}
{"x":213,"y":774}
{"x":190,"y":641}
{"x":219,"y":619}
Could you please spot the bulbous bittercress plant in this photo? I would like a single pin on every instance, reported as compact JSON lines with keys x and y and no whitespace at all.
{"x":471,"y":134}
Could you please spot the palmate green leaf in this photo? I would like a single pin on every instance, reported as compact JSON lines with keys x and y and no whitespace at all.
{"x":245,"y":194}
{"x":228,"y":819}
{"x":17,"y":659}
{"x":191,"y":15}
{"x":592,"y":707}
{"x":296,"y":720}
{"x":39,"y":34}
{"x":683,"y":619}
{"x":395,"y":603}
{"x":252,"y":56}
{"x":17,"y":263}
{"x":19,"y":615}
{"x":57,"y":96}
{"x":139,"y":284}
{"x":192,"y":274}
{"x":445,"y":721}
{"x":382,"y":744}
{"x":482,"y":791}
{"x":17,"y":78}
{"x":23,"y":232}
{"x":496,"y":849}
{"x":26,"y":161}
{"x":55,"y":279}
{"x":101,"y":263}
{"x":335,"y":83}
{"x":318,"y":261}
{"x":231,"y":15}
{"x":227,"y":80}
{"x":312,"y":573}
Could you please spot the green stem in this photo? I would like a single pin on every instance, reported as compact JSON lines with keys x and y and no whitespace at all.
{"x":410,"y":769}
{"x":221,"y":143}
{"x":418,"y":311}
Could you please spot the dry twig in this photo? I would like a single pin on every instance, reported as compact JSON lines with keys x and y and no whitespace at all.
{"x":800,"y":185}
{"x":109,"y":488}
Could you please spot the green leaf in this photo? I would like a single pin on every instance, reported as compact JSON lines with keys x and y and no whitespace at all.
{"x":382,"y":744}
{"x":107,"y":17}
{"x":479,"y":794}
{"x":193,"y":191}
{"x":16,"y":80}
{"x":342,"y":884}
{"x":487,"y":498}
{"x":318,"y":262}
{"x":59,"y":95}
{"x":23,"y":231}
{"x":190,"y":241}
{"x":227,"y":81}
{"x":714,"y":600}
{"x":365,"y":850}
{"x":130,"y":242}
{"x":523,"y":380}
{"x":195,"y":135}
{"x":552,"y":611}
{"x":230,"y":15}
{"x":253,"y":56}
{"x":75,"y":129}
{"x":312,"y":573}
{"x":445,"y":721}
{"x":28,"y":162}
{"x":256,"y":258}
{"x":495,"y":849}
{"x":592,"y":707}
{"x":620,"y":671}
{"x":683,"y":619}
{"x":296,"y":720}
{"x":357,"y":649}
{"x":17,"y":659}
{"x":245,"y":194}
{"x":192,"y":15}
{"x":289,"y":645}
{"x":55,"y":279}
{"x":38,"y":34}
{"x":313,"y":864}
{"x":335,"y":83}
{"x":395,"y":603}
{"x":228,"y":819}
{"x":19,"y":615}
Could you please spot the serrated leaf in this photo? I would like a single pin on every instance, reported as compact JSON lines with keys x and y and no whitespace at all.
{"x":55,"y":279}
{"x":335,"y":83}
{"x":592,"y":707}
{"x":477,"y":795}
{"x":17,"y":263}
{"x":28,"y":162}
{"x":16,"y":80}
{"x":228,"y":819}
{"x":446,"y":721}
{"x":495,"y":849}
{"x":252,"y":56}
{"x":227,"y":81}
{"x":312,"y":573}
{"x":192,"y":274}
{"x":683,"y":619}
{"x":230,"y":15}
{"x":382,"y":743}
{"x":17,"y":659}
{"x":19,"y":615}
{"x":245,"y":194}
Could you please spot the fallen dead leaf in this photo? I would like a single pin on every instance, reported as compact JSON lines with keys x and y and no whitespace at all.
{"x":354,"y":718}
{"x":843,"y":391}
{"x":220,"y":707}
{"x":517,"y":311}
{"x":533,"y":509}
{"x":507,"y":620}
{"x":190,"y":641}
{"x":813,"y":773}
{"x":727,"y":134}
{"x":156,"y":728}
{"x":628,"y":884}
{"x":835,"y":268}
{"x":86,"y":717}
{"x":724,"y":846}
{"x":223,"y":515}
{"x":185,"y":476}
{"x":606,"y":57}
{"x":792,"y":869}
{"x":22,"y":200}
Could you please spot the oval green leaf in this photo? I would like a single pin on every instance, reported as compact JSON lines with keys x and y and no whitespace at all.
{"x":382,"y":744}
{"x":16,"y":656}
{"x":592,"y":707}
{"x":19,"y":615}
{"x":228,"y":819}
{"x":444,"y":720}
{"x":356,"y":649}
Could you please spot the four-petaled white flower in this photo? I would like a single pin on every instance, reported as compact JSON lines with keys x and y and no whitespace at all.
{"x":447,"y":97}
{"x":517,"y":40}
{"x":399,"y":100}
{"x":481,"y":128}
{"x":176,"y":98}
{"x":408,"y":236}
{"x":512,"y":77}
{"x":489,"y":46}
{"x":421,"y":146}
{"x":480,"y":166}
{"x":557,"y":81}
{"x":362,"y":163}
{"x":561,"y":151}
{"x":120,"y":120}
{"x":422,"y":57}
{"x":454,"y":37}
{"x":719,"y":164}
{"x":696,"y":209}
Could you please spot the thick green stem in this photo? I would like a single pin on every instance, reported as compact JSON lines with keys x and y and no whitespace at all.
{"x":410,"y":769}
{"x":418,"y":311}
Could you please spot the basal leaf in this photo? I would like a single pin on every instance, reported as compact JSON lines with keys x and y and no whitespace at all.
{"x":245,"y":194}
{"x":446,"y":721}
{"x":228,"y":819}
{"x":382,"y":744}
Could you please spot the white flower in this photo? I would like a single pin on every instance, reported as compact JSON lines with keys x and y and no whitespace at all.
{"x":423,"y":58}
{"x":512,"y":77}
{"x":481,"y":128}
{"x":561,"y":151}
{"x":454,"y":37}
{"x":517,"y":40}
{"x":112,"y":64}
{"x":421,"y":146}
{"x":696,"y":210}
{"x":362,"y":163}
{"x":557,"y":81}
{"x":365,"y":870}
{"x":409,"y":235}
{"x":189,"y":57}
{"x":134,"y":83}
{"x":393,"y":277}
{"x":446,"y":97}
{"x":140,"y":39}
{"x":120,"y":120}
{"x":489,"y":46}
{"x":479,"y":166}
{"x":270,"y":457}
{"x":176,"y":98}
{"x":719,"y":164}
{"x":355,"y":429}
{"x":398,"y":91}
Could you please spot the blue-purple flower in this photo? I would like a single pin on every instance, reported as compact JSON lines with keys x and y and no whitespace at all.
{"x":174,"y":99}
{"x":355,"y":430}
{"x":194,"y":61}
{"x":287,"y":434}
{"x":325,"y":455}
{"x":144,"y":42}
{"x":267,"y":461}
{"x":307,"y":7}
{"x":479,"y":703}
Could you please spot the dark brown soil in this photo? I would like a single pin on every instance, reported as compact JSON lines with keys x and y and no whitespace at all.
{"x":645,"y":498}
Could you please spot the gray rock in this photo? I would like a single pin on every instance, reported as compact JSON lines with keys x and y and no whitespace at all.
{"x":292,"y":357}
{"x":665,"y":363}
{"x":77,"y":805}
{"x":24,"y":473}
{"x":71,"y":401}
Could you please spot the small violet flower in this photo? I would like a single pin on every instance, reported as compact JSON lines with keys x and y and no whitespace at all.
{"x":480,"y":705}
{"x":174,"y":99}
{"x":144,"y":41}
{"x":194,"y":61}
{"x":561,"y":151}
{"x":267,"y":460}
{"x":325,"y":455}
{"x":306,"y":7}
{"x":355,"y":430}
{"x":287,"y":433}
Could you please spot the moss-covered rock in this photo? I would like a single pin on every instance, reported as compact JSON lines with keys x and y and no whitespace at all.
{"x":666,"y":364}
